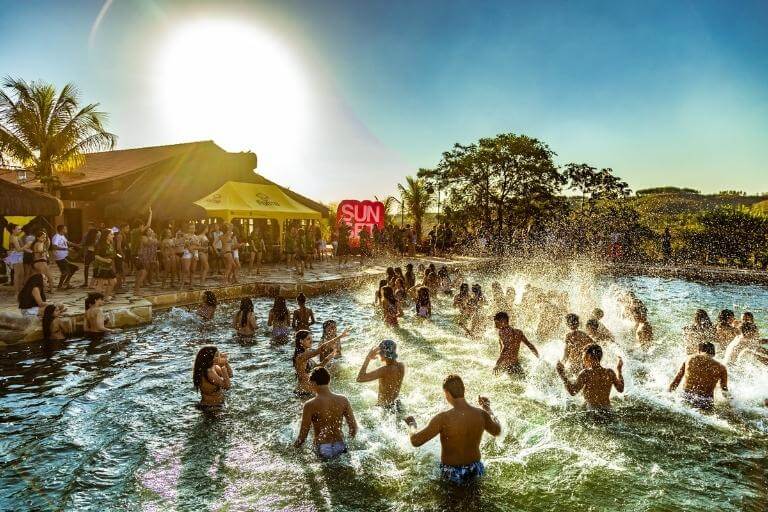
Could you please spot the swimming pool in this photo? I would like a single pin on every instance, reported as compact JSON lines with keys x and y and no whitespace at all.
{"x":111,"y":425}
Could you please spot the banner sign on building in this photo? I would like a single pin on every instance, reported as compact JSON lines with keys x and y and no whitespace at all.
{"x":360,"y":214}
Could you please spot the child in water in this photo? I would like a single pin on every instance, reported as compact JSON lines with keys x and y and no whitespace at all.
{"x":423,"y":304}
{"x":302,"y":317}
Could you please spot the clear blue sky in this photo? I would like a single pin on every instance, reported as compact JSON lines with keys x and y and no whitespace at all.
{"x":665,"y":93}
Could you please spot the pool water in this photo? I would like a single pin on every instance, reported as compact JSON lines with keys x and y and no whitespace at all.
{"x":111,"y":425}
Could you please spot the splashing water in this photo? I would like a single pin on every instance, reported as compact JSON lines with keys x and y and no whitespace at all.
{"x":111,"y":424}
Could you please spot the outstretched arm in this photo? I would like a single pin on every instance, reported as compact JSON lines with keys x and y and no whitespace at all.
{"x":678,"y":379}
{"x":351,"y":421}
{"x":363,"y":375}
{"x":492,"y":425}
{"x":419,"y":437}
{"x":571,"y":387}
{"x":618,"y":378}
{"x":306,"y":422}
{"x":530,"y":346}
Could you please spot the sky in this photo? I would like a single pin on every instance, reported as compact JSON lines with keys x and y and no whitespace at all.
{"x":343,"y":99}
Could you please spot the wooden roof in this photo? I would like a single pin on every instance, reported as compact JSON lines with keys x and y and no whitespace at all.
{"x":18,"y":200}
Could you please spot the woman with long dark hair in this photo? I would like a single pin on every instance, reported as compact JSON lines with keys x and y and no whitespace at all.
{"x":40,"y":256}
{"x":15,"y":258}
{"x":32,"y":298}
{"x":280,"y":320}
{"x":410,"y":276}
{"x":389,"y":306}
{"x":211,"y":375}
{"x":52,"y":329}
{"x":104,"y":265}
{"x":303,"y":354}
{"x":377,"y":296}
{"x":207,"y":309}
{"x":423,"y":303}
{"x":701,"y":330}
{"x":245,"y":321}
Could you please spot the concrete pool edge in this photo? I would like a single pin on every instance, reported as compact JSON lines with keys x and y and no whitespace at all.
{"x":133,"y":311}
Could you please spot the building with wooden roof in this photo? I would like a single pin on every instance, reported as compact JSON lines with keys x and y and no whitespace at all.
{"x":120,"y":185}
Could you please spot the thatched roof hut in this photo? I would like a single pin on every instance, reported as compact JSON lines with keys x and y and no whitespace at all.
{"x":18,"y":200}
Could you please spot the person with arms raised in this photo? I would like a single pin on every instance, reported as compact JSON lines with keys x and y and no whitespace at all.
{"x":461,"y":430}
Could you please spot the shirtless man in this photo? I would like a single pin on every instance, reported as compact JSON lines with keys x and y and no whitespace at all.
{"x":509,"y":346}
{"x":595,"y":380}
{"x":643,"y":329}
{"x":461,"y":430}
{"x":575,"y":343}
{"x":302,"y":317}
{"x":702,"y":373}
{"x":94,"y":316}
{"x":325,"y":413}
{"x":596,"y":325}
{"x":390,"y":376}
{"x":745,"y":343}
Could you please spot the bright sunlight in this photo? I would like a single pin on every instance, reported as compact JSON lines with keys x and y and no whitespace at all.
{"x":234,"y":83}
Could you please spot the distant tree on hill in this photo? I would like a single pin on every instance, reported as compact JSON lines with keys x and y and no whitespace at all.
{"x":665,"y":190}
{"x":733,"y":235}
{"x":732,"y":193}
{"x":47,"y":131}
{"x":593,"y":184}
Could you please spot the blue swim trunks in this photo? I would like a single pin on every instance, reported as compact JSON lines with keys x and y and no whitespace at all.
{"x":462,"y":475}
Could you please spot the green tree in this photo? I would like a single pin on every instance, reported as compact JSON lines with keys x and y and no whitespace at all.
{"x":732,"y":235}
{"x":502,"y":184}
{"x":593,"y":184}
{"x":416,"y":199}
{"x":48,"y":132}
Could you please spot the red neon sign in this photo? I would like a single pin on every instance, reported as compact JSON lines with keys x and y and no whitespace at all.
{"x":360,"y":214}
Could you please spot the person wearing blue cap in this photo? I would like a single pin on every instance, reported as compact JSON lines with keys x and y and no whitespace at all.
{"x":390,"y":376}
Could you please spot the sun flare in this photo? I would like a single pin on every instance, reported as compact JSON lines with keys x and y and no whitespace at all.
{"x":232,"y":82}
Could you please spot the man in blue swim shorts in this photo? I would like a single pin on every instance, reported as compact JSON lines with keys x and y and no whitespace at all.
{"x":461,"y":430}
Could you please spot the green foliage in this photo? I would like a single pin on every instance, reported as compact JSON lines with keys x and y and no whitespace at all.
{"x":417,"y":198}
{"x":48,"y":132}
{"x":730,"y":235}
{"x":666,"y":190}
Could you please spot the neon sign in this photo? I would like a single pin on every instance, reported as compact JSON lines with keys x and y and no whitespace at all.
{"x":360,"y":214}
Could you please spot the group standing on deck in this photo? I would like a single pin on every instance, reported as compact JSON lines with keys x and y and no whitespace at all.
{"x":460,"y":428}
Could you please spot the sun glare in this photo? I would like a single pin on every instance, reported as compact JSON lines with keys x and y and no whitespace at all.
{"x":234,"y":83}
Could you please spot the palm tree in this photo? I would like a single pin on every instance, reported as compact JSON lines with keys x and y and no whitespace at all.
{"x":416,"y":199}
{"x":389,"y":204}
{"x":46,"y":132}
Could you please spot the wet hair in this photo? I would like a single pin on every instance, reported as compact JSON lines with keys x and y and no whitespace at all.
{"x":203,"y":361}
{"x":707,"y":347}
{"x":748,"y":328}
{"x":594,"y":351}
{"x":327,"y":325}
{"x":748,"y":317}
{"x":593,"y":323}
{"x":501,"y":316}
{"x":701,"y":319}
{"x":301,"y":299}
{"x":246,"y":306}
{"x":298,"y":347}
{"x":443,"y":272}
{"x":48,"y":315}
{"x":209,"y":298}
{"x":463,"y":290}
{"x":597,"y":314}
{"x":390,"y":272}
{"x":280,"y":310}
{"x":91,"y":299}
{"x":572,"y":320}
{"x":454,"y":386}
{"x":725,"y":317}
{"x":477,"y":290}
{"x":320,"y":376}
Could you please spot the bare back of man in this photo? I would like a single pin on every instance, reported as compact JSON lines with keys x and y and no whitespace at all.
{"x":575,"y":343}
{"x":510,"y":340}
{"x":390,"y":375}
{"x":327,"y":414}
{"x":461,"y":430}
{"x":701,"y":374}
{"x":597,"y":383}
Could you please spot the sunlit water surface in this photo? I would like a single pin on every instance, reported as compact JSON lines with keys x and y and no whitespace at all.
{"x":111,"y":425}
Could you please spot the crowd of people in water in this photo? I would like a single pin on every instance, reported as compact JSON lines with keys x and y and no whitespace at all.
{"x":460,"y":428}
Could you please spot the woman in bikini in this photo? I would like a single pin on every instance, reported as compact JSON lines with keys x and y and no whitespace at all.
{"x":104,"y":266}
{"x":207,"y":309}
{"x":389,"y":307}
{"x":211,"y":375}
{"x":168,"y":255}
{"x":423,"y":304}
{"x":40,"y":257}
{"x":52,"y":328}
{"x":329,"y":333}
{"x":280,"y":320}
{"x":15,"y":258}
{"x":302,"y":359}
{"x":245,"y":321}
{"x":188,"y":246}
{"x":227,"y":239}
{"x":202,"y":252}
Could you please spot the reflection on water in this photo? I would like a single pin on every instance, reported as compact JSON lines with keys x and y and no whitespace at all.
{"x":111,"y":424}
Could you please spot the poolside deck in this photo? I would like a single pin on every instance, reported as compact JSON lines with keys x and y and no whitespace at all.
{"x":127,"y":310}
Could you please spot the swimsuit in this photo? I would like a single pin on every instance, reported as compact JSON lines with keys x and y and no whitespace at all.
{"x":514,"y":370}
{"x":704,"y":403}
{"x":462,"y":475}
{"x":281,"y":331}
{"x":329,"y":451}
{"x":423,"y":312}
